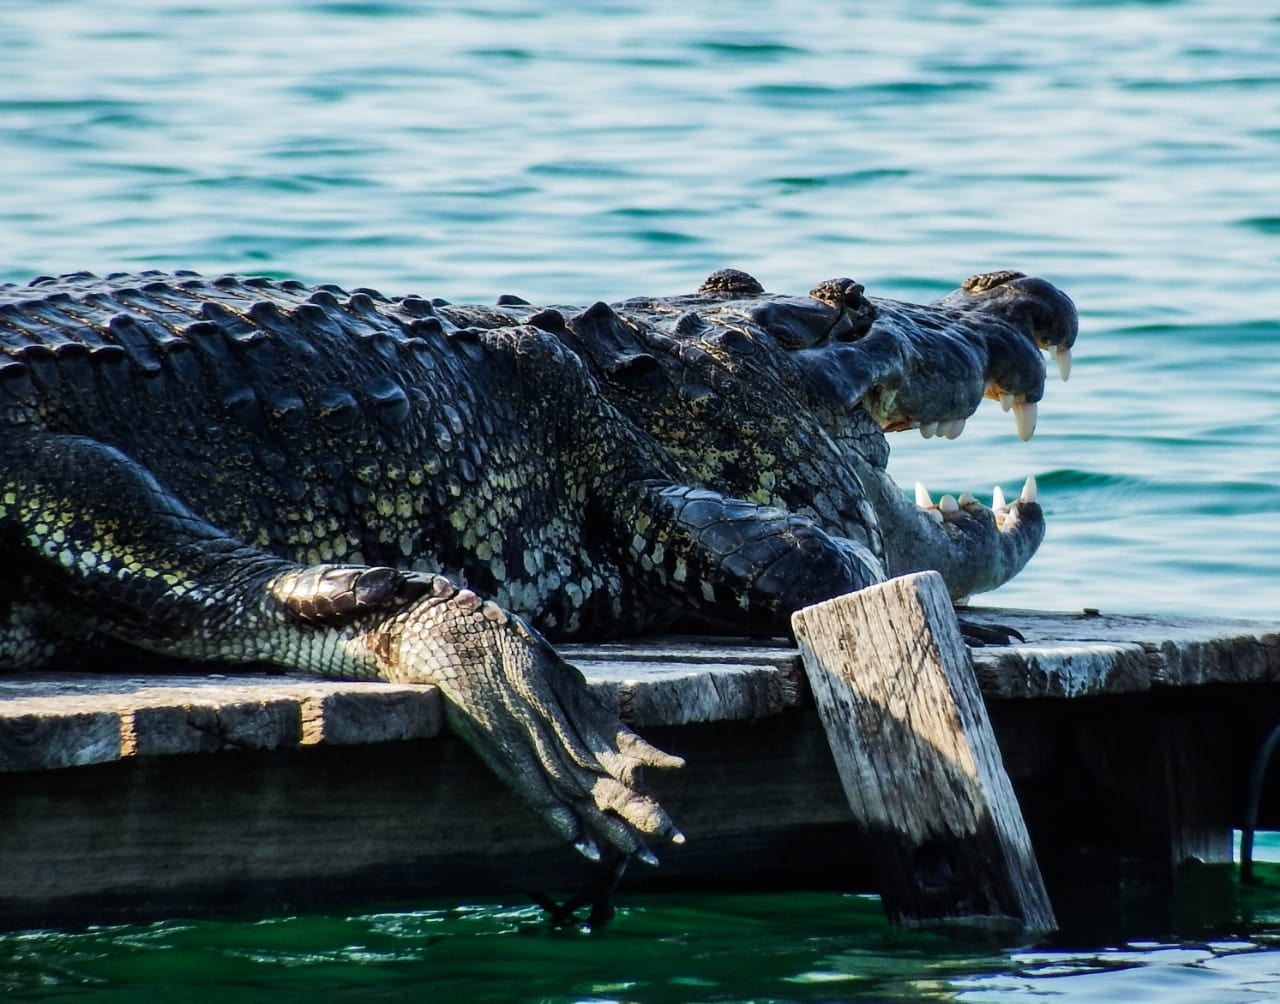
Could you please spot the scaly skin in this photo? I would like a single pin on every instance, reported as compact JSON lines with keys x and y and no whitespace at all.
{"x":244,"y":470}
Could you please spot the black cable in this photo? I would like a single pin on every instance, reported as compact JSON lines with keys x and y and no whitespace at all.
{"x":1259,"y":774}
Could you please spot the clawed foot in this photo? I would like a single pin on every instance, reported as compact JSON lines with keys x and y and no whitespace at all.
{"x":598,"y":894}
{"x":531,"y":717}
{"x":982,"y":635}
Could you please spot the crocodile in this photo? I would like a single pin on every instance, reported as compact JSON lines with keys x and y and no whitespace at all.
{"x":241,"y":470}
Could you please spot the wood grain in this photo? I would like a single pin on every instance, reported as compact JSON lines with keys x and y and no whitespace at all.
{"x":918,"y":758}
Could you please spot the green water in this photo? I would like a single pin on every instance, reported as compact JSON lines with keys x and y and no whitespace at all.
{"x":589,"y":150}
{"x":674,"y":947}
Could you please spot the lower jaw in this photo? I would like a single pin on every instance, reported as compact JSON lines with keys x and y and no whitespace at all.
{"x":975,"y":548}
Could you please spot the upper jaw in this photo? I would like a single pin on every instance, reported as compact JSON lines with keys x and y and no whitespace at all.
{"x":928,"y":367}
{"x":1042,"y":313}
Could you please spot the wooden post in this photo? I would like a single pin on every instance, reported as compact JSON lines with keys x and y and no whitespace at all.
{"x":918,"y":759}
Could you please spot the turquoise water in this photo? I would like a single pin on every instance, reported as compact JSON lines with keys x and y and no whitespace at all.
{"x":1129,"y":152}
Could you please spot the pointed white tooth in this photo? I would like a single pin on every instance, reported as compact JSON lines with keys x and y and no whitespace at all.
{"x":948,"y":504}
{"x":997,"y":499}
{"x":1063,"y":359}
{"x":967,"y":499}
{"x":1052,"y":350}
{"x":954,"y":429}
{"x":922,"y":496}
{"x":928,"y":429}
{"x":1006,"y":401}
{"x":1024,"y":414}
{"x":934,"y":515}
{"x":1029,"y":490}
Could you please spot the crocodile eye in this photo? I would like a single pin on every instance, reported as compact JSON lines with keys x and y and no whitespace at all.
{"x":854,"y":322}
{"x":990,"y":280}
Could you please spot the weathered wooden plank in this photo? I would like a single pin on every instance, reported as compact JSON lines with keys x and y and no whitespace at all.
{"x":54,"y":720}
{"x":1090,"y":654}
{"x":1065,"y":655}
{"x":692,"y":649}
{"x":209,"y":724}
{"x":648,"y":692}
{"x":57,"y":720}
{"x":37,"y":740}
{"x":918,"y":759}
{"x":343,"y":716}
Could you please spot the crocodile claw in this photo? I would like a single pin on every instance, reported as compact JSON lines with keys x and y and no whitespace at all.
{"x":531,"y":717}
{"x":982,"y":635}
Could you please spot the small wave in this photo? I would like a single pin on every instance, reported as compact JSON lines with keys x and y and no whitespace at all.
{"x":841,"y":179}
{"x":657,"y":212}
{"x":748,"y":50}
{"x":504,"y":52}
{"x":666,"y":237}
{"x":579,"y":169}
{"x":1198,"y":85}
{"x":1070,"y":489}
{"x":1269,"y":225}
{"x":1219,"y":336}
{"x":804,"y":94}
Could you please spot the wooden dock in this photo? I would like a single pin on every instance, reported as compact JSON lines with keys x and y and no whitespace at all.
{"x":1127,"y":741}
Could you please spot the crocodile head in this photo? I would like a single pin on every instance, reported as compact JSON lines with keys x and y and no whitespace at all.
{"x":788,"y":400}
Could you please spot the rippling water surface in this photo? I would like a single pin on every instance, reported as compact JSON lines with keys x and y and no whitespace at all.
{"x":597,"y":150}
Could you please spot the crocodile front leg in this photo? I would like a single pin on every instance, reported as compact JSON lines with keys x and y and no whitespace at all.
{"x":108,"y":544}
{"x":732,"y":562}
{"x":508,"y":694}
{"x":530,"y":716}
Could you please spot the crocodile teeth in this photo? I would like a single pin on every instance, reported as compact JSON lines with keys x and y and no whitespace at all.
{"x":1062,"y":356}
{"x":949,"y":505}
{"x":950,"y":429}
{"x":1024,"y":413}
{"x":926,"y":505}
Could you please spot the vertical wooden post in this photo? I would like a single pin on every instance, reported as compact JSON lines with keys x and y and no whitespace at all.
{"x":918,"y":759}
